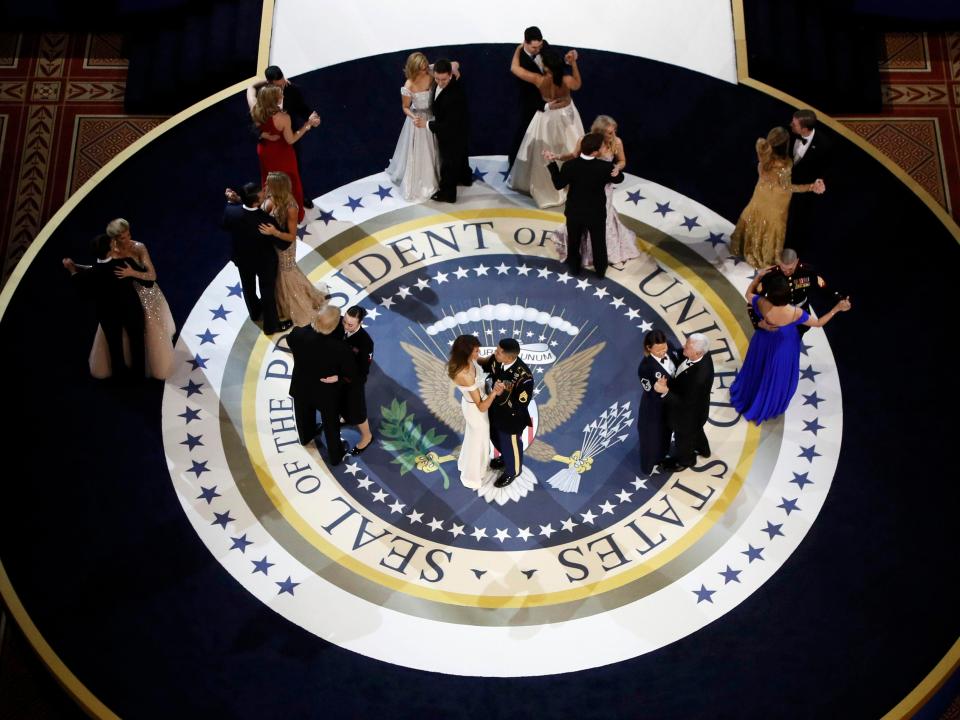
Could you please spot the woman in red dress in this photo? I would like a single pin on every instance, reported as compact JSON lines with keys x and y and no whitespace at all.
{"x":277,"y":137}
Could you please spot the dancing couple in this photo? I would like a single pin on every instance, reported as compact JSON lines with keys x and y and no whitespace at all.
{"x":495,"y":392}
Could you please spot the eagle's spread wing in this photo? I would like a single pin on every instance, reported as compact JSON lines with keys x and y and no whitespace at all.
{"x":567,"y":383}
{"x":436,"y":389}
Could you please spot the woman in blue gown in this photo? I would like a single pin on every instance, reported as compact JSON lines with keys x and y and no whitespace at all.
{"x":770,"y":372}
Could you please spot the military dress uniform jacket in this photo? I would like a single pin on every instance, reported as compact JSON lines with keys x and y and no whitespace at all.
{"x":509,"y":413}
{"x":802,"y":282}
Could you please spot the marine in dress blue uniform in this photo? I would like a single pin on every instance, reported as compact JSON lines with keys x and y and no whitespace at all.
{"x":509,"y":415}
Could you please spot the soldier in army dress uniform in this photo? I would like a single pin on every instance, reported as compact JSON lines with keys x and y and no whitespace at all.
{"x":508,"y":414}
{"x":802,"y":279}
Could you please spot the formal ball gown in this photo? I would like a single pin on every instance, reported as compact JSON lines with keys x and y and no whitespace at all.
{"x":158,"y":332}
{"x":556,"y":130}
{"x":621,"y":240}
{"x":279,"y":156}
{"x":762,"y":227}
{"x":770,"y":373}
{"x":297,"y":299}
{"x":414,"y":167}
{"x":475,"y":451}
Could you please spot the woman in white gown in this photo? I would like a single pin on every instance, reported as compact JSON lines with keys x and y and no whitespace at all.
{"x":158,"y":325}
{"x":414,"y":167}
{"x":467,"y":375}
{"x":621,"y":240}
{"x":555,"y":128}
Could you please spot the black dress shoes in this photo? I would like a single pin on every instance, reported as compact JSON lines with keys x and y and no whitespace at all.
{"x":496,"y":463}
{"x":504,"y":480}
{"x":285,"y":325}
{"x":672,"y":465}
{"x":440,"y":197}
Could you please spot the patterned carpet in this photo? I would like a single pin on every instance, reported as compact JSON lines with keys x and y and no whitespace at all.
{"x":61,"y":120}
{"x":920,"y":125}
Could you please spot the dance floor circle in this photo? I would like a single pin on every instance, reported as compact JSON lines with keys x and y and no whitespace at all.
{"x":388,"y":554}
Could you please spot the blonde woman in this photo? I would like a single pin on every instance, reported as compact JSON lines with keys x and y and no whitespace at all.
{"x":158,"y":325}
{"x":275,"y":148}
{"x":621,"y":240}
{"x":762,"y":227}
{"x":414,"y":167}
{"x":298,"y":301}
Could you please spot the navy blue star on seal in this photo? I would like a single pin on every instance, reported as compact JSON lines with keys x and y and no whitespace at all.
{"x":219,"y":313}
{"x":383,"y":192}
{"x":478,"y":175}
{"x":192,"y":441}
{"x":189,"y":414}
{"x":808,"y":373}
{"x":262,"y":566}
{"x":192,"y":388}
{"x":801,"y":479}
{"x":241,"y":543}
{"x":235,"y":290}
{"x":690,"y":223}
{"x":198,"y":362}
{"x":326,"y":217}
{"x":199,"y":468}
{"x":664,"y":208}
{"x":773,"y":530}
{"x":753,"y":553}
{"x":208,"y":494}
{"x":716,"y":239}
{"x":788,"y":505}
{"x":222,"y":519}
{"x":813,"y":399}
{"x":634,"y":197}
{"x":809,"y":453}
{"x":704,"y":594}
{"x":730,"y":575}
{"x":207,"y":337}
{"x":813,"y":426}
{"x":353,"y":203}
{"x":287,"y":586}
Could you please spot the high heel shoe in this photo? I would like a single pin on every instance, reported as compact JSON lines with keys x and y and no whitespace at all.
{"x":357,"y":449}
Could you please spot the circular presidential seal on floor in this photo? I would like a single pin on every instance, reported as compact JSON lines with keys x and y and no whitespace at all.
{"x":388,"y":553}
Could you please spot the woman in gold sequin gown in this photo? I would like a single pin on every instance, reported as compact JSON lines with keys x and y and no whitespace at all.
{"x":297,"y":299}
{"x":762,"y":227}
{"x":158,"y":325}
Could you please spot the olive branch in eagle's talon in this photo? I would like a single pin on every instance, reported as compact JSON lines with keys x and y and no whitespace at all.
{"x":410,"y":443}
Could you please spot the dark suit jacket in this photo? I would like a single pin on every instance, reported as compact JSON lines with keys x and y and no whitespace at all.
{"x":249,"y":245}
{"x":294,"y":104}
{"x":688,"y":402}
{"x":587,"y":180}
{"x":114,"y":298}
{"x":316,"y":356}
{"x":815,"y":161}
{"x":530,"y":99}
{"x":361,"y":344}
{"x":451,"y":122}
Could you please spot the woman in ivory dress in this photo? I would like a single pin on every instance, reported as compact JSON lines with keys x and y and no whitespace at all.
{"x":297,"y":299}
{"x":414,"y":167}
{"x":555,"y":128}
{"x":467,"y":375}
{"x":158,"y":325}
{"x":621,"y":240}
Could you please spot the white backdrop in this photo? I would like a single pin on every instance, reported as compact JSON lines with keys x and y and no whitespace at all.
{"x":694,"y":34}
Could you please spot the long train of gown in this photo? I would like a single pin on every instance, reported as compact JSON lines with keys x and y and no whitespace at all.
{"x":771,"y":370}
{"x":556,"y":130}
{"x":414,"y":167}
{"x":621,"y":240}
{"x":475,"y":451}
{"x":297,"y":299}
{"x":158,"y":331}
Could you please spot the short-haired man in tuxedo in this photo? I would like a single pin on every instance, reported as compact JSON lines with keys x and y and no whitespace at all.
{"x":586,"y":208}
{"x":451,"y":125}
{"x":810,"y":149}
{"x":254,"y":254}
{"x":295,"y":104}
{"x":687,"y":399}
{"x":118,"y":306}
{"x":530,"y":100}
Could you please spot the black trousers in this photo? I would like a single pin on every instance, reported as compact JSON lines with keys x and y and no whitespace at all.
{"x":598,"y":243}
{"x":305,"y":412}
{"x":688,"y":442}
{"x":264,"y":305}
{"x":454,"y":170}
{"x":113,"y":328}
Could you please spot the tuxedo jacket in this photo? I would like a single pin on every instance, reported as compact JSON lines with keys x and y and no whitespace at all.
{"x":815,"y":161}
{"x":316,"y":356}
{"x":587,"y":180}
{"x":114,"y":298}
{"x":361,"y":345}
{"x":451,"y":122}
{"x":249,"y":246}
{"x":509,"y":412}
{"x":688,"y":402}
{"x":530,"y":99}
{"x":294,"y":104}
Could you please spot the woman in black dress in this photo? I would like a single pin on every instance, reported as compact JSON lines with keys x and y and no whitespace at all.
{"x":355,"y":401}
{"x":652,"y":423}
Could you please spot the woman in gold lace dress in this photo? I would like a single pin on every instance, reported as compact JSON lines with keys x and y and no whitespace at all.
{"x":297,"y":300}
{"x":762,"y":226}
{"x":158,"y":325}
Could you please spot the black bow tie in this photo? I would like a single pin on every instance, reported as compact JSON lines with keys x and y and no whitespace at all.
{"x":803,"y":140}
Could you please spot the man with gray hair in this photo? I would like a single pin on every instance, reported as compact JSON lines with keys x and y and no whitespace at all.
{"x":687,"y":400}
{"x":802,"y":279}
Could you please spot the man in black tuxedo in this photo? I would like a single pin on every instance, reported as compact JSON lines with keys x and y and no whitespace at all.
{"x":451,"y":125}
{"x":810,"y":149}
{"x":687,"y":398}
{"x":118,"y":306}
{"x":586,"y":208}
{"x":254,"y":254}
{"x":322,"y":363}
{"x":530,"y":100}
{"x":295,"y":104}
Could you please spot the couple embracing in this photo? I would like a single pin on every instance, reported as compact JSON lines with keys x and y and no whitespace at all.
{"x":495,"y":392}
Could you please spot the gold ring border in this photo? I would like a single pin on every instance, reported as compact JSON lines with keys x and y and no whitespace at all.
{"x":331,"y":551}
{"x":91,"y":704}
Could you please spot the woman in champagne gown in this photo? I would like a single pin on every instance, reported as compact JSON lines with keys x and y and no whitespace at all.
{"x":762,"y":227}
{"x":768,"y":378}
{"x":297,"y":299}
{"x":621,"y":240}
{"x":158,"y":325}
{"x":414,"y":167}
{"x":468,"y":376}
{"x":555,"y":128}
{"x":275,"y":147}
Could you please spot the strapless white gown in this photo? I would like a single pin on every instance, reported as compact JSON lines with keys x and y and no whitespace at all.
{"x":475,"y":451}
